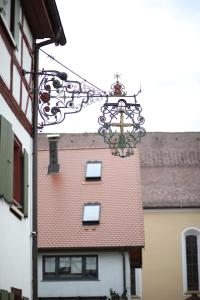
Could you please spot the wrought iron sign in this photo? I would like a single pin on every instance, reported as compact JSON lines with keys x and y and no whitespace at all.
{"x":59,"y":96}
{"x":121,"y":121}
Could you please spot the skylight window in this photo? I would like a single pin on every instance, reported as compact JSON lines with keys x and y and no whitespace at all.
{"x":93,"y":170}
{"x":91,"y":214}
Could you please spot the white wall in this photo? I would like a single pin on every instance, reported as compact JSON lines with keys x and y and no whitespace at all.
{"x":5,"y":61}
{"x":110,"y":267}
{"x":16,"y":240}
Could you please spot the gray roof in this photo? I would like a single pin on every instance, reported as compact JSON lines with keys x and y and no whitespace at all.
{"x":73,"y":141}
{"x":170,"y":169}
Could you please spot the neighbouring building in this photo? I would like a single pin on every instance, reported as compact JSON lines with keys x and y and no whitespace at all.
{"x":170,"y":173}
{"x":90,"y":222}
{"x":21,"y":23}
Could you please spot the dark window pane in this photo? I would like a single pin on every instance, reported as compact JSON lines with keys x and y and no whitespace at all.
{"x":192,"y":263}
{"x":91,"y":266}
{"x":76,"y":266}
{"x":133,"y":283}
{"x":50,"y":267}
{"x":17,"y":173}
{"x":64,"y":266}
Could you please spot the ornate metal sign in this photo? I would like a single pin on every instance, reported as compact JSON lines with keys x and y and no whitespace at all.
{"x":59,"y":96}
{"x":121,"y":122}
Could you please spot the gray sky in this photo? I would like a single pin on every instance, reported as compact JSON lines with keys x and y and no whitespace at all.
{"x":155,"y":43}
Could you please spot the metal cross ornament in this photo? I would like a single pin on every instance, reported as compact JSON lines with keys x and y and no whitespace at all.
{"x":121,"y":121}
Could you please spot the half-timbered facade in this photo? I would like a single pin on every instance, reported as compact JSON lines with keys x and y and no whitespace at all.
{"x":21,"y":23}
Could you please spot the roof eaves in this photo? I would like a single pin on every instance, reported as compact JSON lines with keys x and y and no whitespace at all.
{"x":56,"y":22}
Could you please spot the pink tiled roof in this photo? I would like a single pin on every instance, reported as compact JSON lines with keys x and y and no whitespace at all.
{"x":61,"y":198}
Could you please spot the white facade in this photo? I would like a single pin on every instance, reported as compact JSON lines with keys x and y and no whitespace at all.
{"x":15,"y":229}
{"x":110,"y":276}
{"x":21,"y":24}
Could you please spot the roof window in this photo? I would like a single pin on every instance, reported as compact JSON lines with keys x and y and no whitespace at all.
{"x":91,"y":213}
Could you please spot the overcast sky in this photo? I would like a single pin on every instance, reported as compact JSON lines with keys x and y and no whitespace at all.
{"x":155,"y":43}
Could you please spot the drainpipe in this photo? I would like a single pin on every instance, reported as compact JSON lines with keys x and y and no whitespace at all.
{"x":124,"y":272}
{"x":35,"y":162}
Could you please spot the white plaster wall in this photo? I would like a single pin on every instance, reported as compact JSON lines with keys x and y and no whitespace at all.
{"x":5,"y":61}
{"x":16,"y":84}
{"x":110,"y":266}
{"x":24,"y":97}
{"x":16,"y":240}
{"x":29,"y":112}
{"x":28,"y":33}
{"x":26,"y":61}
{"x":18,"y":49}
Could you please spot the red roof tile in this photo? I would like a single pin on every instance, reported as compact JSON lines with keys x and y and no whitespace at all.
{"x":62,"y":196}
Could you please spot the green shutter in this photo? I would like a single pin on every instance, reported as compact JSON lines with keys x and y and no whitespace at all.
{"x":25,"y":184}
{"x":3,"y":295}
{"x":6,"y":159}
{"x":11,"y":296}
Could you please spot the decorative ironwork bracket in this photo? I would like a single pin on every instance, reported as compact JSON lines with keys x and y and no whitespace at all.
{"x":121,"y":121}
{"x":59,"y":96}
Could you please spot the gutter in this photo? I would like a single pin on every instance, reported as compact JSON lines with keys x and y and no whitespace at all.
{"x":35,"y":163}
{"x":124,"y":272}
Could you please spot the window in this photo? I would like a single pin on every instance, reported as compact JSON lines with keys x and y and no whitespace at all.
{"x":93,"y":170}
{"x":10,"y":11}
{"x":192,"y":263}
{"x":14,"y":169}
{"x":70,"y":267}
{"x":191,"y":255}
{"x":91,"y":213}
{"x":136,"y":265}
{"x":50,"y":267}
{"x":17,"y":173}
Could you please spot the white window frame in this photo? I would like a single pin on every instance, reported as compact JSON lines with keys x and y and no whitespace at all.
{"x":93,"y":170}
{"x":91,"y":213}
{"x":189,"y":231}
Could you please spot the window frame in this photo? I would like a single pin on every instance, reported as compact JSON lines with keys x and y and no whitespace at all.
{"x":93,"y":177}
{"x":11,"y":150}
{"x":11,"y":18}
{"x":187,"y":232}
{"x":58,"y":277}
{"x":18,"y":175}
{"x":94,"y":221}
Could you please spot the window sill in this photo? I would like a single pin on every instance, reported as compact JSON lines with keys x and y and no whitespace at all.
{"x":16,"y":212}
{"x":192,"y":292}
{"x":69,"y":279}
